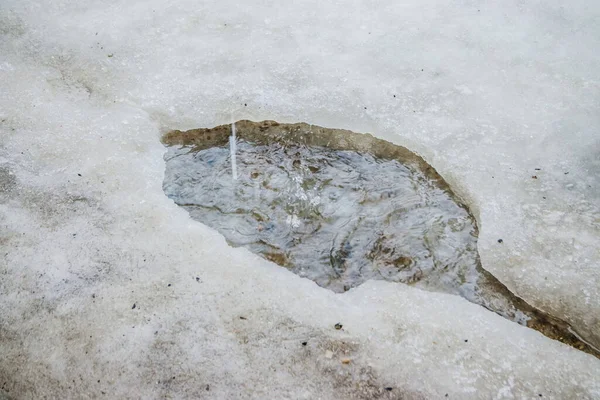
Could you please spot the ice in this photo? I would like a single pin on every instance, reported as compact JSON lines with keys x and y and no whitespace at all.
{"x":485,"y":93}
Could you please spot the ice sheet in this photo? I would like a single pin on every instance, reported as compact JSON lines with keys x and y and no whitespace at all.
{"x":486,"y":93}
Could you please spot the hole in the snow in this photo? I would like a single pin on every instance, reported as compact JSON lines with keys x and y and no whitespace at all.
{"x":339,"y":208}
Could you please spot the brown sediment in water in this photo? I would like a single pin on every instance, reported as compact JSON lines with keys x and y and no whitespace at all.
{"x":548,"y":325}
{"x":267,"y":132}
{"x":270,"y":132}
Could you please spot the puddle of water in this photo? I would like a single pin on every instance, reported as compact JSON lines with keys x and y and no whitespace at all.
{"x":338,"y":208}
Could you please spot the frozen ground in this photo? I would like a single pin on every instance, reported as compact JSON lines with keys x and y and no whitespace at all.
{"x":486,"y":94}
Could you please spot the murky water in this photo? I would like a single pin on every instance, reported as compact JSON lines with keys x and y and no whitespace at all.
{"x":336,"y":217}
{"x":338,"y":208}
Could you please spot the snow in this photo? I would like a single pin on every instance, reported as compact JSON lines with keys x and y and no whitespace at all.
{"x":485,"y":93}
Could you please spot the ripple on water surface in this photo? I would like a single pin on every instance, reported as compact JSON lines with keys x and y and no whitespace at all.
{"x":338,"y":208}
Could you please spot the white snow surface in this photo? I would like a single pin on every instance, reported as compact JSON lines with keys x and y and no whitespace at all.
{"x":485,"y":91}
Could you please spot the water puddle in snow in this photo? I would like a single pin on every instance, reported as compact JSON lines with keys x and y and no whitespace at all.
{"x":338,"y":208}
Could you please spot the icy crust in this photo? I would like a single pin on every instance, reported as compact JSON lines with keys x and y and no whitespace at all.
{"x":339,"y":208}
{"x":485,"y":94}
